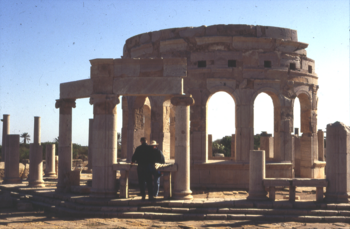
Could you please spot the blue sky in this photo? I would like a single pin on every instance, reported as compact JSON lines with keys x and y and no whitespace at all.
{"x":45,"y":43}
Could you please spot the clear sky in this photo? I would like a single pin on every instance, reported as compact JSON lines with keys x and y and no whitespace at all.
{"x":45,"y":43}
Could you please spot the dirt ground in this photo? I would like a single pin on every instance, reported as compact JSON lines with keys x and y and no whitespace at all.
{"x":10,"y":218}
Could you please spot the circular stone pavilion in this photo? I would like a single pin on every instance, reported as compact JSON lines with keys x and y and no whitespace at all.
{"x":163,"y":70}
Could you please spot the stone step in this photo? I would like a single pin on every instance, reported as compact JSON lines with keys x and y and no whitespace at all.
{"x":240,"y":204}
{"x":189,"y":216}
{"x":202,"y":210}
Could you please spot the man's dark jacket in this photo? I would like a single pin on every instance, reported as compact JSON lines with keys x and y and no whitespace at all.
{"x":143,"y":155}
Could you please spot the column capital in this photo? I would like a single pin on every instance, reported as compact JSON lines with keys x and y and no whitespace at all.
{"x":182,"y":100}
{"x":65,"y":103}
{"x":104,"y":103}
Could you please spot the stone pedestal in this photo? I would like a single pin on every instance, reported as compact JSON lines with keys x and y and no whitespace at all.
{"x":266,"y":143}
{"x":338,"y":163}
{"x":5,"y":132}
{"x":12,"y":160}
{"x":50,"y":160}
{"x":65,"y":142}
{"x":91,"y":122}
{"x":256,"y":175}
{"x":35,"y":158}
{"x":182,"y":151}
{"x":104,"y":145}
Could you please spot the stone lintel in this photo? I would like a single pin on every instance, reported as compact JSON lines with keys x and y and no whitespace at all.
{"x":76,"y":89}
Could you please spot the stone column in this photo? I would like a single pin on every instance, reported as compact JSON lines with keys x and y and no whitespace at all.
{"x":338,"y":163}
{"x":172,"y":133}
{"x":160,"y":125}
{"x":36,"y":158}
{"x":50,"y":160}
{"x":65,"y":141}
{"x":266,"y":144}
{"x":91,"y":122}
{"x":182,"y":151}
{"x":244,"y":131}
{"x":320,"y":136}
{"x":125,"y":128}
{"x":135,"y":125}
{"x":104,"y":145}
{"x":12,"y":160}
{"x":256,"y":175}
{"x":5,"y":132}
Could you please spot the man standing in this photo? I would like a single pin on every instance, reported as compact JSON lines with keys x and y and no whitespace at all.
{"x":144,"y":157}
{"x":158,"y":158}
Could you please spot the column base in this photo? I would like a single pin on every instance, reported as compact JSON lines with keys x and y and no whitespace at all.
{"x":36,"y":184}
{"x":12,"y":181}
{"x":50,"y":174}
{"x":182,"y":195}
{"x":103,"y":194}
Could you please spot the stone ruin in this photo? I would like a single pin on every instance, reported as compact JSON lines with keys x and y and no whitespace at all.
{"x":165,"y":80}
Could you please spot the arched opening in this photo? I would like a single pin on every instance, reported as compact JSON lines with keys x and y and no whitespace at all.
{"x":296,"y":116}
{"x":221,"y":126}
{"x":305,"y":113}
{"x":267,"y":123}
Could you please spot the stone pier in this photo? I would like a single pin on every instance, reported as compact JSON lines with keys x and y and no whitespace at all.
{"x":256,"y":175}
{"x":338,"y":163}
{"x":182,"y":150}
{"x":12,"y":160}
{"x":35,"y":158}
{"x":50,"y":160}
{"x":104,"y":145}
{"x":65,"y":141}
{"x":5,"y":132}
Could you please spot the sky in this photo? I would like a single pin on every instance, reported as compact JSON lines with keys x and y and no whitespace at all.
{"x":45,"y":43}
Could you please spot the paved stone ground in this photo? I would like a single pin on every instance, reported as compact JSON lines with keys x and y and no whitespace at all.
{"x":11,"y":218}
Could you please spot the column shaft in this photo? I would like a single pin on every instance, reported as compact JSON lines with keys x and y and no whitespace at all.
{"x":104,"y":145}
{"x":90,"y":150}
{"x":5,"y":132}
{"x":65,"y":142}
{"x":182,"y":151}
{"x":50,"y":160}
{"x":35,"y":158}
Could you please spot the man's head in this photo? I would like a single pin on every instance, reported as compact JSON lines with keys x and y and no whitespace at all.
{"x":154,"y":144}
{"x":143,"y":140}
